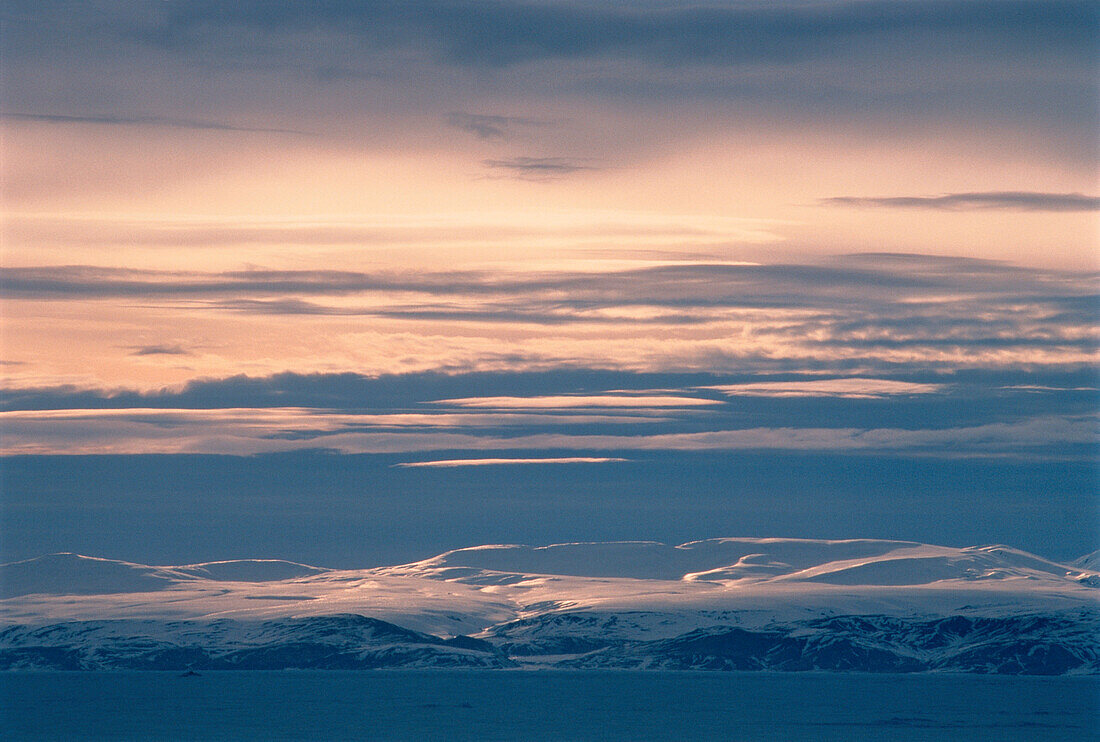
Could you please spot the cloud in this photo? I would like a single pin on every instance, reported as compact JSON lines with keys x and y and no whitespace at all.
{"x":538,"y":168}
{"x":983,"y":200}
{"x":92,"y":281}
{"x":788,"y":63}
{"x":160,"y":350}
{"x":165,"y":121}
{"x":355,"y":391}
{"x":247,"y":432}
{"x":427,"y":230}
{"x":641,"y":401}
{"x":844,"y":388}
{"x":874,"y":313}
{"x":512,"y":32}
{"x":595,"y":413}
{"x":450,"y":463}
{"x":550,"y":315}
{"x":485,"y":126}
{"x":877,"y":278}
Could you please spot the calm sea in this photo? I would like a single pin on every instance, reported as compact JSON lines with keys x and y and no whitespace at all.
{"x":544,"y":705}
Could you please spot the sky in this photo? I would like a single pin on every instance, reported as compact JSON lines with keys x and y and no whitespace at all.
{"x":358,"y":282}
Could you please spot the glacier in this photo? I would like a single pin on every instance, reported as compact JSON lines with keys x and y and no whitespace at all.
{"x":768,"y":604}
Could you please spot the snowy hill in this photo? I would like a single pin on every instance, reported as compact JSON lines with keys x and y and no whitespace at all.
{"x":1090,"y":562}
{"x":854,"y":562}
{"x":733,"y":603}
{"x":644,"y":559}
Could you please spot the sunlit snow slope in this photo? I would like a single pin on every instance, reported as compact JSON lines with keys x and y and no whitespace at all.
{"x":735,"y":603}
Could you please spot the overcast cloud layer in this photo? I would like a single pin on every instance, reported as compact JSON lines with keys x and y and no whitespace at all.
{"x":451,"y":272}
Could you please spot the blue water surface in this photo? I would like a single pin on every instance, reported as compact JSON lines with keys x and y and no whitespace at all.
{"x":544,"y":705}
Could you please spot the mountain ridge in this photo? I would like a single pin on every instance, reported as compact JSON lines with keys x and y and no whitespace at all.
{"x":731,"y":603}
{"x":718,"y":559}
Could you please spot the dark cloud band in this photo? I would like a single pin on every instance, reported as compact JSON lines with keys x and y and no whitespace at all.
{"x":872,"y":307}
{"x":485,"y":126}
{"x":175,"y":123}
{"x":508,"y":32}
{"x":538,"y":168}
{"x":1006,"y":200}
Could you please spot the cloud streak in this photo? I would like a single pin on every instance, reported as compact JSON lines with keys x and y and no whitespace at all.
{"x":977,"y":201}
{"x":590,"y":414}
{"x":639,"y":401}
{"x":244,"y":432}
{"x":160,"y":350}
{"x":538,"y":168}
{"x":699,"y":284}
{"x":428,"y":230}
{"x":492,"y":127}
{"x":874,"y":312}
{"x":451,"y":463}
{"x":157,"y":121}
{"x":839,"y":388}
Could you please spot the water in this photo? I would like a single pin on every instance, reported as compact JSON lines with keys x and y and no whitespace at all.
{"x":545,"y":705}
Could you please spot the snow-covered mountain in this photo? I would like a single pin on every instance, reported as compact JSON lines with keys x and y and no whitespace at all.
{"x":1089,"y":562}
{"x":340,"y":642}
{"x":734,"y":603}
